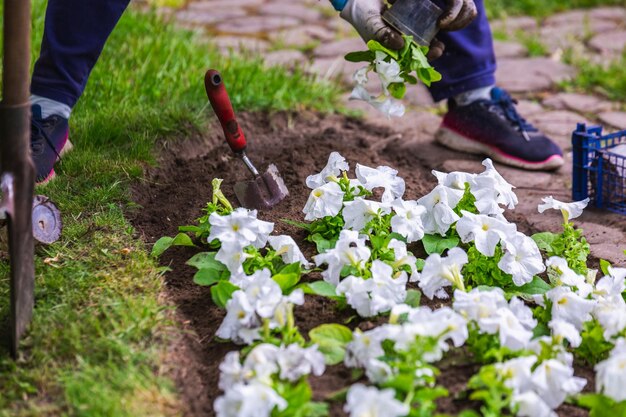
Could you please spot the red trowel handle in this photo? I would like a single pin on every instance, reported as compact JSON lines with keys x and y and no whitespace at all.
{"x":220,"y":102}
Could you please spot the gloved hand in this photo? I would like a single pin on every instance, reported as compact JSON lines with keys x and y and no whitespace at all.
{"x":366,"y":17}
{"x":458,"y":14}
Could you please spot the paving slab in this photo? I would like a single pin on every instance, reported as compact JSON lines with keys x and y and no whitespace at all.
{"x":609,"y":13}
{"x":558,"y":125}
{"x":509,"y":49}
{"x":418,"y":95}
{"x":213,"y":5}
{"x":200,"y":17}
{"x":338,"y":67}
{"x":609,"y":42}
{"x":340,"y":48}
{"x":299,"y":11}
{"x":527,"y":108}
{"x":287,"y":58}
{"x":581,"y":103}
{"x":571,"y":34}
{"x":250,"y":25}
{"x":239,"y":43}
{"x":614,"y":118}
{"x":302,"y":35}
{"x":531,"y":74}
{"x":511,"y":25}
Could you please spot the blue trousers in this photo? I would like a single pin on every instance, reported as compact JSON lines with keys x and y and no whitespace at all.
{"x":76,"y":31}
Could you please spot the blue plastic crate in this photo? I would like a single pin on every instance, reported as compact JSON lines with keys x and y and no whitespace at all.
{"x":599,"y":173}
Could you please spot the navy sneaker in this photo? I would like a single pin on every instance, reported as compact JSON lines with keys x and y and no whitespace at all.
{"x":48,"y":141}
{"x":495,"y":129}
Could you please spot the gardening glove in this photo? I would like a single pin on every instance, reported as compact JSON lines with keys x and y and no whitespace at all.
{"x":457,"y":14}
{"x":366,"y":17}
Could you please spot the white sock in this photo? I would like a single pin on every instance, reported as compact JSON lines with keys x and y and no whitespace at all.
{"x":468,"y":97}
{"x":50,"y":107}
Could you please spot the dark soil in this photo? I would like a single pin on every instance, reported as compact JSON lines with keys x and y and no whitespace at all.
{"x":174,"y":193}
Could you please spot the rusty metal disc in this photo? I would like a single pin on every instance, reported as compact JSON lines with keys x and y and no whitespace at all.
{"x":47,"y":224}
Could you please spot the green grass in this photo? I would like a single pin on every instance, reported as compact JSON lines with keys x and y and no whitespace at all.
{"x":607,"y":80}
{"x":541,"y":8}
{"x":98,"y":331}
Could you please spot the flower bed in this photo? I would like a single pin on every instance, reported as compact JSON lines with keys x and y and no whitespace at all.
{"x":378,"y":251}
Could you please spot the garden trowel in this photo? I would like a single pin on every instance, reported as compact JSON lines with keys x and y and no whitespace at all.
{"x":265,"y":190}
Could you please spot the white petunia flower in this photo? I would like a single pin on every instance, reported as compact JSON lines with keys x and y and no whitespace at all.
{"x":365,"y":401}
{"x":233,"y":256}
{"x":241,"y":226}
{"x":350,"y":249}
{"x":555,"y":381}
{"x":263,"y":292}
{"x":285,"y":307}
{"x":565,"y":330}
{"x":260,"y":364}
{"x":359,"y":212}
{"x":557,"y":349}
{"x":407,"y":221}
{"x":531,"y":404}
{"x":569,"y":306}
{"x":240,"y":315}
{"x":381,"y":177}
{"x":512,"y":333}
{"x":523,"y":313}
{"x":561,"y":274}
{"x":251,"y":400}
{"x":442,"y":272}
{"x":403,"y":256}
{"x":365,"y":349}
{"x":479,"y":304}
{"x":611,"y":373}
{"x":516,"y":373}
{"x":522,"y":259}
{"x":376,"y":295}
{"x":614,"y":283}
{"x":486,"y":232}
{"x":455,"y":180}
{"x":357,"y":292}
{"x":569,"y":210}
{"x":387,"y":106}
{"x":231,"y":371}
{"x":440,"y":204}
{"x":611,"y":314}
{"x":387,"y":290}
{"x":388,"y":72}
{"x":323,"y":201}
{"x":335,"y":165}
{"x":295,"y":362}
{"x":360,"y":75}
{"x":288,"y":250}
{"x":491,"y":190}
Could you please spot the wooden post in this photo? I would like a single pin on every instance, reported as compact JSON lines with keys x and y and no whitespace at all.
{"x":17,"y":175}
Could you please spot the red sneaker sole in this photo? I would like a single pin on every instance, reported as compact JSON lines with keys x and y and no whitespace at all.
{"x":456,"y":141}
{"x":67,"y":147}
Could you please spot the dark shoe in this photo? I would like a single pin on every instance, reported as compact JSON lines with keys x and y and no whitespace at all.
{"x":495,"y":129}
{"x":48,"y":141}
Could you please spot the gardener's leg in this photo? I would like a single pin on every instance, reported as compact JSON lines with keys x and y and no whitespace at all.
{"x":482,"y":118}
{"x":75,"y":33}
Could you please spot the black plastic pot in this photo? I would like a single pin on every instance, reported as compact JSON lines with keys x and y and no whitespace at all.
{"x":415,"y":18}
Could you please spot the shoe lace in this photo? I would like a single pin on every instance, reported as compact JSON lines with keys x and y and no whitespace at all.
{"x":38,"y":132}
{"x":504,"y":105}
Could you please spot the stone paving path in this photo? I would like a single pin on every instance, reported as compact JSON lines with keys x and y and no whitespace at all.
{"x":308,"y":33}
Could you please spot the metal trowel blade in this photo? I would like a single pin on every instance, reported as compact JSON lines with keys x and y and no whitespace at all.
{"x":264,"y":192}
